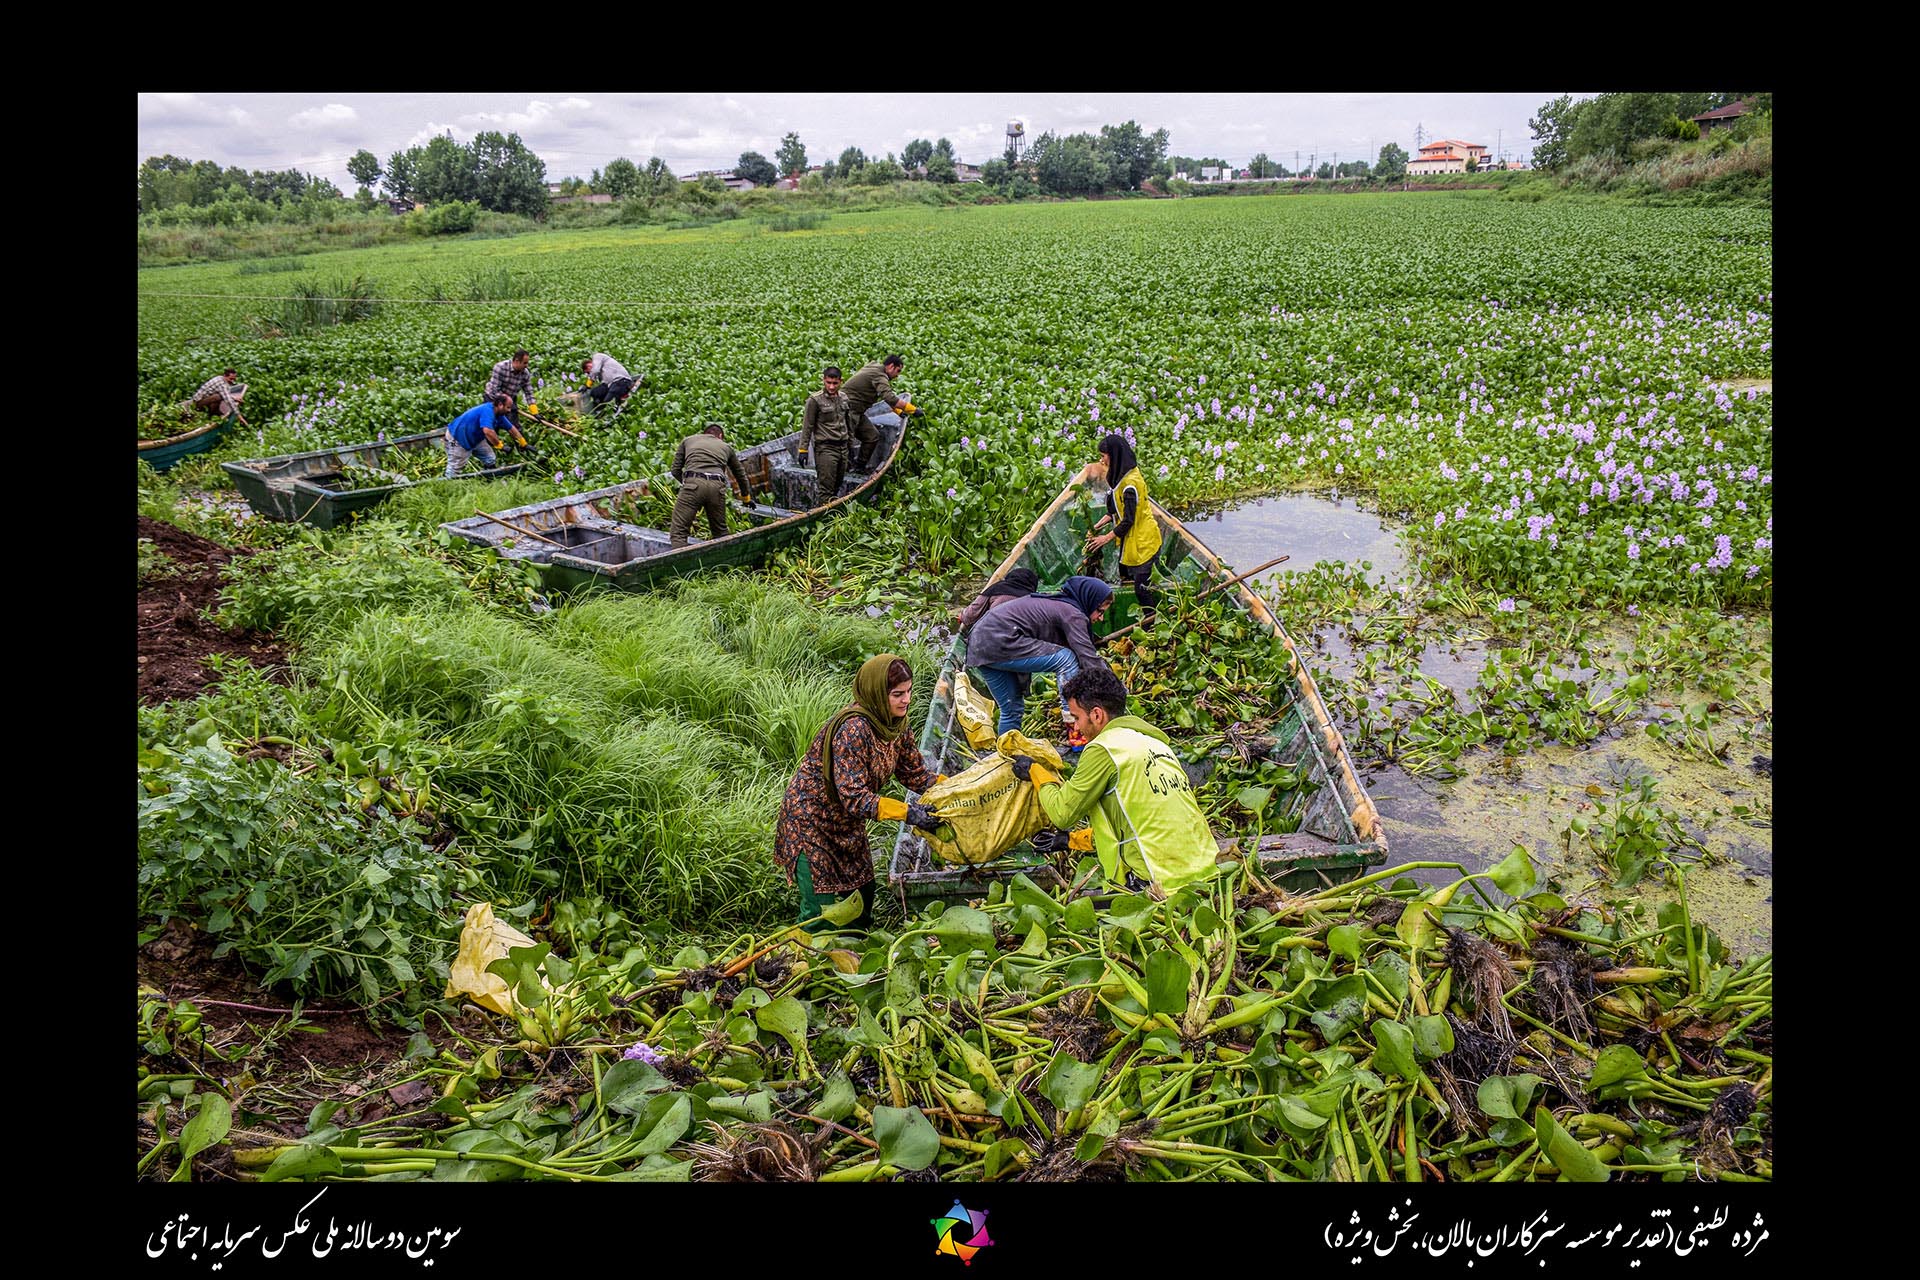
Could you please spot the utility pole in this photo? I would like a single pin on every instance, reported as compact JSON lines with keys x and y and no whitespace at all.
{"x":1497,"y":152}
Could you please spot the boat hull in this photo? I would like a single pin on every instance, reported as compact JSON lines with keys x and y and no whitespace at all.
{"x":1339,"y":833}
{"x":303,"y":486}
{"x":163,"y":454}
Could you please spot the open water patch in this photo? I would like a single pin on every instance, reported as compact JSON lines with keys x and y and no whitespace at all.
{"x":1308,"y":528}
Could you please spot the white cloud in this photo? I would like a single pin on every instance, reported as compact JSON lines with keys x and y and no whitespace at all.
{"x":537,"y":113}
{"x":334,"y":113}
{"x":163,"y":109}
{"x":432,"y":131}
{"x":575,"y":104}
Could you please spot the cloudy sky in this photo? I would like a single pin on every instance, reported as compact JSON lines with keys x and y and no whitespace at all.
{"x":576,"y":133}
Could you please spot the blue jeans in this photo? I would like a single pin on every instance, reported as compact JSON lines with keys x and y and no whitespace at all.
{"x":881,"y":416}
{"x":1006,"y":690}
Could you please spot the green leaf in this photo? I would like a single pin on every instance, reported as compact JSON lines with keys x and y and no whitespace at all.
{"x":906,"y":1137}
{"x":1344,"y":940}
{"x":1616,"y":1063}
{"x":627,"y":1083}
{"x":1390,"y":971}
{"x":1393,"y":1048}
{"x":1514,"y":874}
{"x":1003,"y":1154}
{"x":208,"y":1127}
{"x":419,"y":1046}
{"x":663,"y":1122}
{"x":1167,"y":979}
{"x":845,"y":910}
{"x":964,"y":929}
{"x":375,"y":874}
{"x":1080,"y":916}
{"x":1298,"y":1113}
{"x":1575,"y":1162}
{"x":1432,"y":1035}
{"x":1067,"y":1083}
{"x":303,"y":1162}
{"x":657,"y":1169}
{"x":1505,"y":1097}
{"x":756,"y":1106}
{"x":1036,"y":943}
{"x":786,"y":1017}
{"x":837,"y":1102}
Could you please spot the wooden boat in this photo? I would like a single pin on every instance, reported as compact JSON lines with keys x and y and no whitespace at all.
{"x":162,"y":454}
{"x":316,"y":488}
{"x":1338,"y":833}
{"x":601,"y":539}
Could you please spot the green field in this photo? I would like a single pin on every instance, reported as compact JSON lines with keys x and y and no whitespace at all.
{"x":1531,"y":388}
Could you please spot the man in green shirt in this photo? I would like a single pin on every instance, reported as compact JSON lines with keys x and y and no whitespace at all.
{"x":829,"y":422}
{"x":1145,"y":823}
{"x":701,"y":464}
{"x":871,"y":396}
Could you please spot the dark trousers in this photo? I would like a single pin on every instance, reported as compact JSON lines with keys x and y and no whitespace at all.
{"x":830,"y":462}
{"x":697,"y":495}
{"x":618,"y":389}
{"x":813,"y":902}
{"x":1138,"y":574}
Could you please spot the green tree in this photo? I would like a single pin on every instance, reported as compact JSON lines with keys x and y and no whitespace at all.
{"x":880,"y":172}
{"x":365,"y":168}
{"x":1473,"y":164}
{"x":1550,"y":127}
{"x":444,"y":171}
{"x":792,"y":156}
{"x":622,"y":178}
{"x":916,"y":155}
{"x":1393,"y":163}
{"x":1260,"y":166}
{"x":996,"y":172}
{"x":658,"y":180}
{"x":1325,"y":170}
{"x":755,"y":168}
{"x":852,"y":161}
{"x":1680,"y":130}
{"x":399,"y":180}
{"x":507,"y":177}
{"x":1131,"y":153}
{"x":944,"y":147}
{"x":1071,"y":166}
{"x":940,"y":168}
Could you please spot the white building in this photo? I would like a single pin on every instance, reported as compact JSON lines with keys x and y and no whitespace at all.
{"x":1448,"y":155}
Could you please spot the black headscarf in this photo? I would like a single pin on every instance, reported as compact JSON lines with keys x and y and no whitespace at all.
{"x":1088,"y":593}
{"x":1018,"y":582}
{"x":1117,"y":447}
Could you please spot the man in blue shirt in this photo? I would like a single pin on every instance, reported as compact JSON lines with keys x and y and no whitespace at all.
{"x":471,"y":434}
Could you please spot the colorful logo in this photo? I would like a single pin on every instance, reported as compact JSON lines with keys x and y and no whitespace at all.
{"x":972,"y":1221}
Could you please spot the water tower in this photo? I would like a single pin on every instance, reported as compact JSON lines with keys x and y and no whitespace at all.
{"x":1016,"y":139}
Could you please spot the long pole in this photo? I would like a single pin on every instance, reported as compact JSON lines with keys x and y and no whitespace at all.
{"x":525,"y":533}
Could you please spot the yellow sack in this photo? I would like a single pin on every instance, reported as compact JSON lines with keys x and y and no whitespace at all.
{"x":482,"y":941}
{"x":986,"y":810}
{"x":975,"y":712}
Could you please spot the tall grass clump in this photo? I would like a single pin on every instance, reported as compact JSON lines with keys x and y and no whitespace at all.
{"x":803,"y":221}
{"x":313,"y":304}
{"x":428,"y":505}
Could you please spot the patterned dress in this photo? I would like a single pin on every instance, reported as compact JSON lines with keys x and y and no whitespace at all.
{"x":832,"y":829}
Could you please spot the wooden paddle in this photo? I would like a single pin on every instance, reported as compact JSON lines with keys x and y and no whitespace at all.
{"x":525,"y":533}
{"x":1218,"y":586}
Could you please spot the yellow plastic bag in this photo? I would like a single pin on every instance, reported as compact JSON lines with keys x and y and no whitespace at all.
{"x":975,"y":712}
{"x":483,"y":940}
{"x":986,"y":810}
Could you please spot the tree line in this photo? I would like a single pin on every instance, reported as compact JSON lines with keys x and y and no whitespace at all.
{"x":1611,"y":123}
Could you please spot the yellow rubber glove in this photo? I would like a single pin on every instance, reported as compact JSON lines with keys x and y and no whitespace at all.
{"x":533,"y":408}
{"x":891,"y":810}
{"x":1081,"y":841}
{"x":904,"y":408}
{"x":939,"y":777}
{"x":1041,"y":775}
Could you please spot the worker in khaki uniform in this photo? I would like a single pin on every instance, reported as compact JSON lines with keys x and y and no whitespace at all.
{"x":1146,"y":824}
{"x":874,"y":402}
{"x":701,"y":464}
{"x":829,"y":422}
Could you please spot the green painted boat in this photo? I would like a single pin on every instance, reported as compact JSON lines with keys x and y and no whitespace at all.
{"x":1339,"y":833}
{"x":163,"y":454}
{"x":313,"y":487}
{"x":598,"y":539}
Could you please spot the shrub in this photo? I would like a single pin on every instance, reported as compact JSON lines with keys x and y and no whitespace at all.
{"x":314,"y":304}
{"x":448,"y":218}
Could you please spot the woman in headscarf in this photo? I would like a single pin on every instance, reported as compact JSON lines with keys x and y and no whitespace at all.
{"x":1017,"y":583}
{"x":1035,"y":633}
{"x":820,"y":838}
{"x":1127,"y":506}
